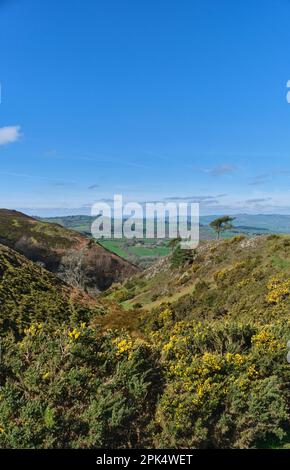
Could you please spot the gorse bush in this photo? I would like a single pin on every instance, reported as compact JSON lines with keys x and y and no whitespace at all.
{"x":74,"y":387}
{"x":225,"y":384}
{"x":201,"y":363}
{"x":190,"y":384}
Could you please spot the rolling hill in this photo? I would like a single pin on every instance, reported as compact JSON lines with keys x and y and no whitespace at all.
{"x":249,"y":223}
{"x":145,"y":253}
{"x":77,"y":259}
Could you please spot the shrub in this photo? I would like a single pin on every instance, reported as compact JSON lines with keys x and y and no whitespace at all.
{"x":181,"y":257}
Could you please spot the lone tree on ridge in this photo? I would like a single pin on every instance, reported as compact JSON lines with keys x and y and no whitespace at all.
{"x":222,"y":224}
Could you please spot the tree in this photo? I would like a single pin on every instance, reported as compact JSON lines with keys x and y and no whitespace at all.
{"x":182,"y":257}
{"x":222,"y":224}
{"x":71,"y":269}
{"x":174,"y":242}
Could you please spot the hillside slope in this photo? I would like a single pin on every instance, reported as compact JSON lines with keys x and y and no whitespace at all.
{"x":219,"y":317}
{"x":229,"y":277}
{"x":201,"y":365}
{"x":81,"y":262}
{"x":29,"y":293}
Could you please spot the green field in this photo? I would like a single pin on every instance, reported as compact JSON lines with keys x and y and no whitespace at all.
{"x":143,"y":253}
{"x":114,"y":247}
{"x":149,"y":251}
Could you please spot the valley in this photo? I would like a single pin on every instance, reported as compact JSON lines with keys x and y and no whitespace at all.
{"x":146,"y":252}
{"x":187,"y":353}
{"x":76,"y":258}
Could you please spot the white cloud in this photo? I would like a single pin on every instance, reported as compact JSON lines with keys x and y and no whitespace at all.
{"x":9,"y":134}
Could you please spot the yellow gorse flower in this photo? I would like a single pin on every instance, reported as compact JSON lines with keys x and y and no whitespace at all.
{"x":74,"y":334}
{"x":252,"y":372}
{"x":33,"y":329}
{"x":165,"y":315}
{"x":278,"y":290}
{"x":265,"y":340}
{"x":235,"y":359}
{"x":123,"y":346}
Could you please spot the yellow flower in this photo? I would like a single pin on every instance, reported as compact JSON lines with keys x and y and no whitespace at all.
{"x":74,"y":334}
{"x":46,"y":376}
{"x":33,"y":329}
{"x":266,"y":341}
{"x":243,"y":282}
{"x":242,"y":383}
{"x":252,"y":371}
{"x":210,"y":363}
{"x":123,"y":346}
{"x":235,"y":359}
{"x":166,"y":315}
{"x":278,"y":290}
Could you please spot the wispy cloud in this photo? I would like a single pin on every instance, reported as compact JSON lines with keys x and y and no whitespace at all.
{"x":258,"y":200}
{"x":221,"y":170}
{"x":9,"y":134}
{"x":259,"y":179}
{"x":63,"y":184}
{"x":52,"y":181}
{"x":199,"y":199}
{"x":266,"y":177}
{"x":94,"y":186}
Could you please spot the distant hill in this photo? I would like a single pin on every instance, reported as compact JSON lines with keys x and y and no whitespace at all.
{"x":273,"y":223}
{"x":79,"y":260}
{"x":258,"y":223}
{"x":146,"y":252}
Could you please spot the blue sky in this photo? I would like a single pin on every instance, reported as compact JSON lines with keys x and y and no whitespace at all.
{"x":151,"y":99}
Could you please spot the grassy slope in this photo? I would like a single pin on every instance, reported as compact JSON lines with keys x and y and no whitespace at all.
{"x":120,"y":249}
{"x":231,"y":275}
{"x":233,"y":288}
{"x":15,"y":225}
{"x":114,"y":247}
